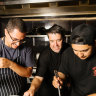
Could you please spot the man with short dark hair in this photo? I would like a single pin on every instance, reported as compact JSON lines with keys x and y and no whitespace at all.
{"x":16,"y":59}
{"x":49,"y":61}
{"x":79,"y":62}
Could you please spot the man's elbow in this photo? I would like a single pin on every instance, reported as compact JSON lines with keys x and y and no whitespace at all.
{"x":29,"y":72}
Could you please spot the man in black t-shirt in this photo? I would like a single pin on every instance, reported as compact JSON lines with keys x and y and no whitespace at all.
{"x":49,"y":61}
{"x":79,"y":62}
{"x":16,"y":59}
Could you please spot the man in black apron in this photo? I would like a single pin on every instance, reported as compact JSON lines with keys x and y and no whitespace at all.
{"x":16,"y":59}
{"x":49,"y":61}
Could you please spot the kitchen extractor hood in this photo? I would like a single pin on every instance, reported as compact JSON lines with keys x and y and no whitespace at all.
{"x":43,"y":8}
{"x":11,"y":2}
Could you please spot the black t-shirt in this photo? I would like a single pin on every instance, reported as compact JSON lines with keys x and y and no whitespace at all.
{"x":47,"y":63}
{"x":82,"y":72}
{"x":10,"y":82}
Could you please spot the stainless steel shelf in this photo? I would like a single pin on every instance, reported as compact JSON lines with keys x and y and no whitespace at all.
{"x":36,"y":35}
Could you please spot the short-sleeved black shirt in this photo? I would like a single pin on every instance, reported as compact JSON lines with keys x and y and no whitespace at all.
{"x":47,"y":63}
{"x":10,"y":82}
{"x":82,"y":72}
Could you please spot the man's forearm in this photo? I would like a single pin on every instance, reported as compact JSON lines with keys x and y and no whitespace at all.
{"x":94,"y":94}
{"x":20,"y":70}
{"x":62,"y":76}
{"x":36,"y":83}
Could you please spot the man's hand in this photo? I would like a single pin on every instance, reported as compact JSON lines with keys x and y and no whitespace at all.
{"x":57,"y":82}
{"x":94,"y":94}
{"x":29,"y":92}
{"x":5,"y":63}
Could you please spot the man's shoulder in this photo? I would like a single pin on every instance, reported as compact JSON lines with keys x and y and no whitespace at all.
{"x":68,"y":51}
{"x":65,"y":46}
{"x":46,"y":50}
{"x":26,"y":47}
{"x":0,"y":40}
{"x":45,"y":54}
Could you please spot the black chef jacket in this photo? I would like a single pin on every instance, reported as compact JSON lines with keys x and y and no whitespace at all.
{"x":82,"y":72}
{"x":47,"y":63}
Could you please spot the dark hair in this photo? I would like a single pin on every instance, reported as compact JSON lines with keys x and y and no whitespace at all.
{"x":83,"y":34}
{"x":16,"y":23}
{"x":78,"y":40}
{"x":57,"y":29}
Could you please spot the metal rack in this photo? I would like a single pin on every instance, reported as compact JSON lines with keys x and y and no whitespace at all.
{"x":46,"y":38}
